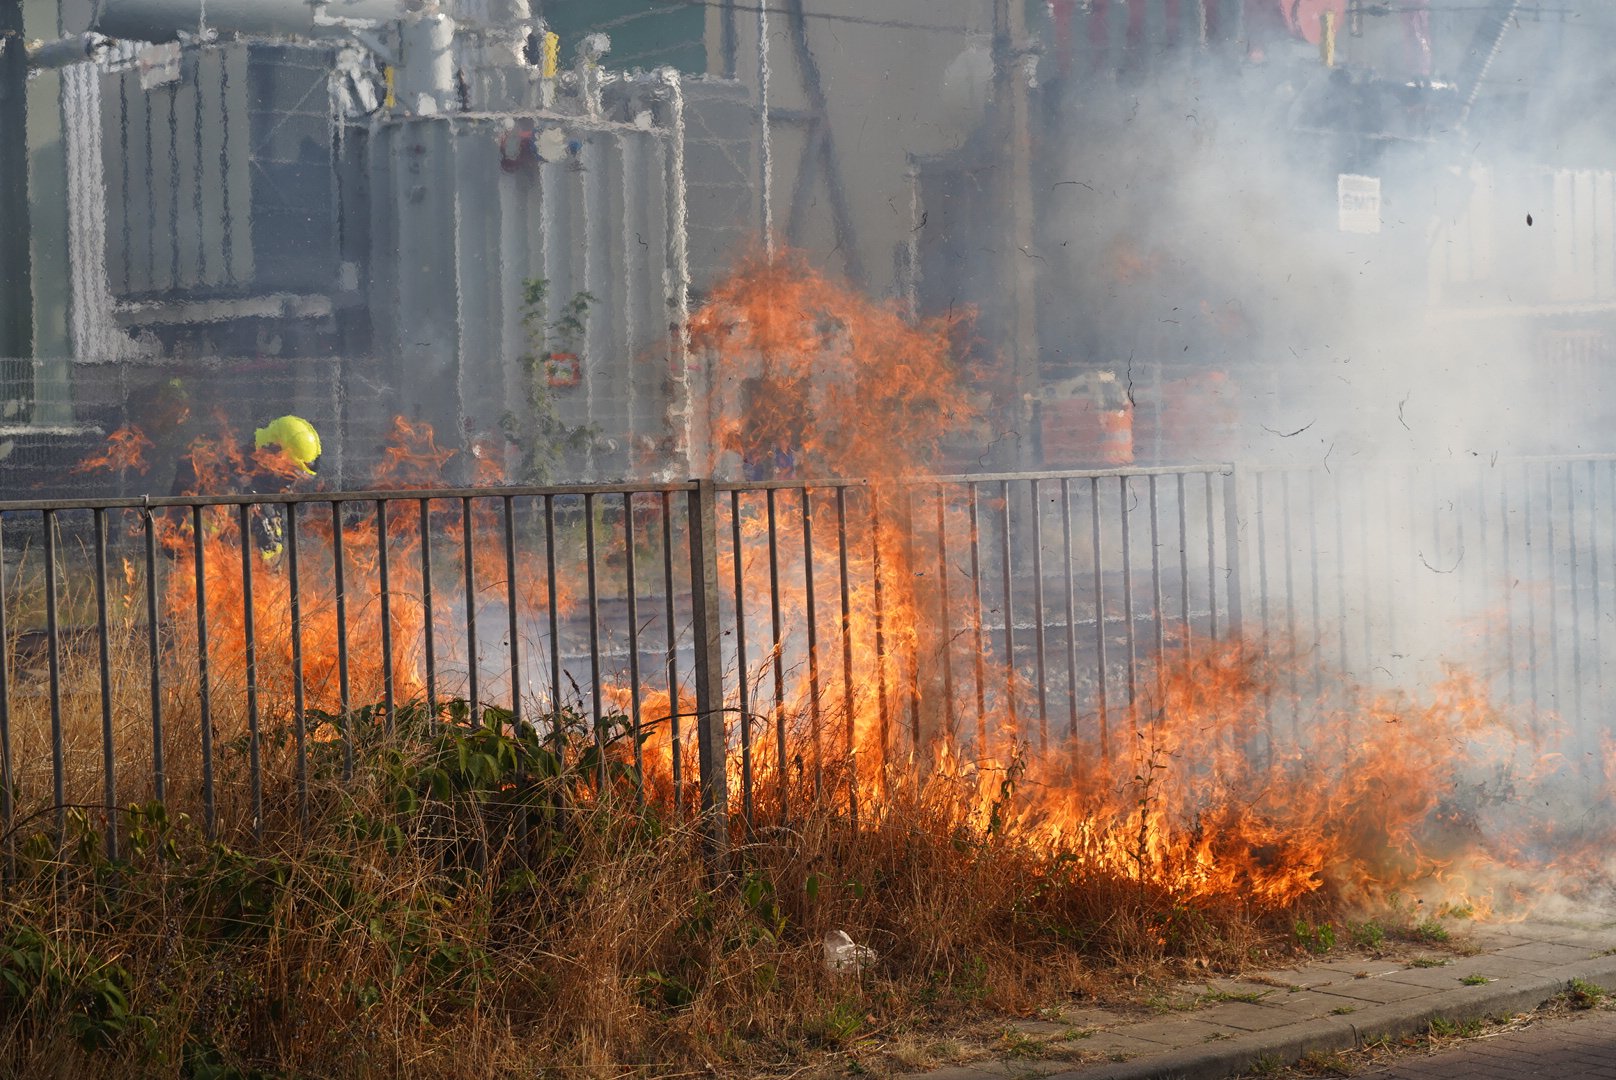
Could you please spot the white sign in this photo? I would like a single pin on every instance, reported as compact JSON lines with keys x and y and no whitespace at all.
{"x":1358,"y":203}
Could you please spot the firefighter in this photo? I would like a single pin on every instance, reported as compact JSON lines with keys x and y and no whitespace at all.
{"x":287,"y":449}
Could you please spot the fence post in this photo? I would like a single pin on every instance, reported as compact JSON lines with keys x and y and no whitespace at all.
{"x":1231,"y":543}
{"x":707,"y":636}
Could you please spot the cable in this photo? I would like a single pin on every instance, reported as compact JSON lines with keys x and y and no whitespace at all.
{"x":859,"y":20}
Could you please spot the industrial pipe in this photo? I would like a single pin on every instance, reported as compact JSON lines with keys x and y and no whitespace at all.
{"x":163,"y":20}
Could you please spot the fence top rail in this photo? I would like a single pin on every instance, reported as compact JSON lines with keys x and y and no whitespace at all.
{"x":924,"y":480}
{"x":1488,"y":461}
{"x":394,"y":495}
{"x":155,"y":502}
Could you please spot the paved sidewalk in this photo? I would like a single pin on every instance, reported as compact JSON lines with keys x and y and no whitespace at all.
{"x":1274,"y":1017}
{"x":1578,"y":1047}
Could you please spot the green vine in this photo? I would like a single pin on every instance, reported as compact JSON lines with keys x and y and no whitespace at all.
{"x":553,"y":355}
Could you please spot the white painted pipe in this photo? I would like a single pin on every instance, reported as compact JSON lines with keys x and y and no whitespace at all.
{"x":162,"y":20}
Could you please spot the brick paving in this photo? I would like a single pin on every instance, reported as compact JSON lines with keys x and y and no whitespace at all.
{"x":1577,"y":1047}
{"x":1227,"y":1027}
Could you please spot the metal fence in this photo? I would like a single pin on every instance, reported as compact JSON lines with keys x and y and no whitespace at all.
{"x":767,"y":642}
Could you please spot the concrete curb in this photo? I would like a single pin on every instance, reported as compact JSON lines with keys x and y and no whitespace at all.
{"x":1287,"y":1044}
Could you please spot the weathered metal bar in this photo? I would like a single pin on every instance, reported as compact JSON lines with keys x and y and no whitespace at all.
{"x":154,"y":676}
{"x":945,"y":620}
{"x":778,"y":655}
{"x":109,"y":780}
{"x":1341,"y":569}
{"x":849,"y":715}
{"x":1292,"y":660}
{"x":1531,"y":592}
{"x":299,"y":716}
{"x":1231,"y":541}
{"x":1260,"y":520}
{"x":1008,"y":563}
{"x":745,"y":717}
{"x":590,"y":577}
{"x":1211,"y":561}
{"x":632,"y":585}
{"x":981,"y":645}
{"x":249,"y":639}
{"x":709,"y":670}
{"x":512,"y":614}
{"x":1099,"y":617}
{"x":54,"y":664}
{"x":883,"y":730}
{"x":428,"y":619}
{"x":1183,"y":559}
{"x":385,"y":612}
{"x":1593,"y":580}
{"x":1574,"y":596}
{"x":811,"y":620}
{"x":339,"y":579}
{"x":1130,"y":635}
{"x":1553,"y":622}
{"x":1069,"y":576}
{"x":675,"y":740}
{"x":1317,"y":650}
{"x":6,"y":809}
{"x":552,"y":604}
{"x":1507,"y":582}
{"x":209,"y":818}
{"x":468,"y":562}
{"x":1156,"y":615}
{"x":1038,"y":614}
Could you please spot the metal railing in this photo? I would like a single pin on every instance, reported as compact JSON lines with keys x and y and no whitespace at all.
{"x":800,"y":630}
{"x":772,"y":642}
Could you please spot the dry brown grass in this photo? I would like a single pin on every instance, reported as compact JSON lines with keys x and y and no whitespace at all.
{"x":464,"y":931}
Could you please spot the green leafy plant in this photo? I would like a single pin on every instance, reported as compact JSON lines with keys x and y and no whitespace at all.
{"x":1314,"y":937}
{"x":553,"y":360}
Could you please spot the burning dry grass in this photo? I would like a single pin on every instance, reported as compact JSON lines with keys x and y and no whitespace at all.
{"x":473,"y":904}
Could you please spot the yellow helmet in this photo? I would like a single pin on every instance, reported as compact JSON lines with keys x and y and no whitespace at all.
{"x":295,"y":436}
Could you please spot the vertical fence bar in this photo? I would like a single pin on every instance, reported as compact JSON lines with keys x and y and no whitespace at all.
{"x":339,"y":577}
{"x":945,"y":617}
{"x":1292,"y":660}
{"x":594,"y":639}
{"x":1156,"y":614}
{"x":1127,"y":591}
{"x":675,"y":735}
{"x":911,"y":664}
{"x":812,"y":626}
{"x":203,"y":690}
{"x":1313,"y":572}
{"x":468,"y":556}
{"x":1184,"y":560}
{"x":981,"y":646}
{"x":154,"y":655}
{"x":552,"y":604}
{"x":385,"y":611}
{"x":1576,"y":599}
{"x":632,"y":585}
{"x":249,"y":638}
{"x":1211,"y":561}
{"x":778,"y":656}
{"x":299,"y":719}
{"x":1231,"y":540}
{"x":428,"y":631}
{"x":1099,"y":616}
{"x":1071,"y":607}
{"x":109,"y":784}
{"x":745,"y":716}
{"x":1553,"y":622}
{"x":6,"y":809}
{"x":703,"y":511}
{"x":849,"y":717}
{"x":513,"y":625}
{"x":883,"y":721}
{"x":54,"y":663}
{"x":1038,"y":613}
{"x":1593,"y":580}
{"x":1005,"y":556}
{"x":1531,"y":593}
{"x":1341,"y":569}
{"x":1508,"y":584}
